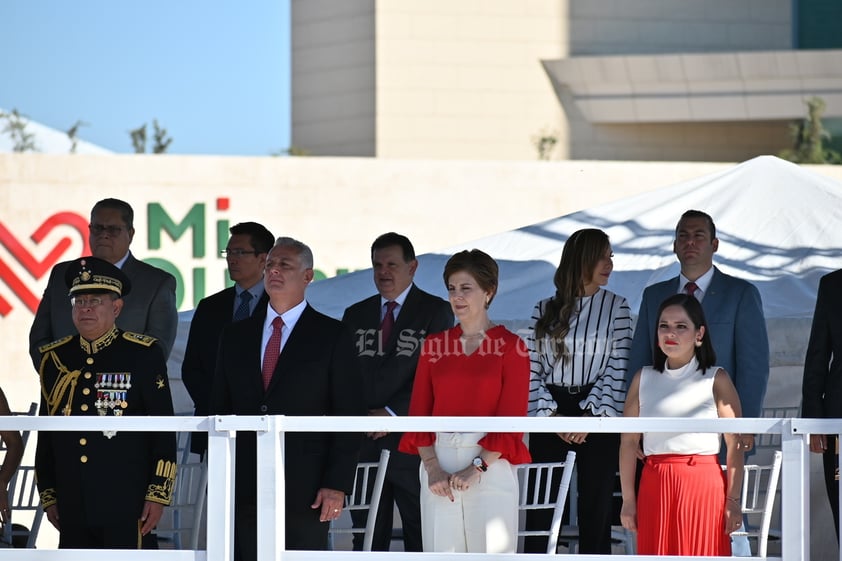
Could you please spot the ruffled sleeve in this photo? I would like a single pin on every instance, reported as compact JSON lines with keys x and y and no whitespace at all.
{"x":512,"y":403}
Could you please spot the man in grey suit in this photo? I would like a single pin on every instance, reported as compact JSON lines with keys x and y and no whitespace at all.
{"x":732,"y":308}
{"x":389,"y":328}
{"x":149,"y":309}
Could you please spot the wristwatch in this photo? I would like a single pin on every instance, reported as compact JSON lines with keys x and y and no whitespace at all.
{"x":480,"y":464}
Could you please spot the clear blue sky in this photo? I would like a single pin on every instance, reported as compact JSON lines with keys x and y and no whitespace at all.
{"x":215,"y":73}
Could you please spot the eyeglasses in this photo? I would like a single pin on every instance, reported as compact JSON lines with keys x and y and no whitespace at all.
{"x":92,"y":302}
{"x":99,"y":229}
{"x":237,"y":252}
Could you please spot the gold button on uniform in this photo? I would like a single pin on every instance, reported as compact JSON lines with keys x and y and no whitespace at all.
{"x":89,"y":360}
{"x":86,"y":391}
{"x":87,"y":375}
{"x":84,"y":459}
{"x":83,"y":441}
{"x":84,"y":407}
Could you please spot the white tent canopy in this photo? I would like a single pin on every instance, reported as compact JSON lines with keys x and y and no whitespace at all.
{"x":777,"y":225}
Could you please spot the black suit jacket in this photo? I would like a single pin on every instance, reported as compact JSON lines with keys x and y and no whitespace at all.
{"x":822,"y":384}
{"x":149,"y":308}
{"x":389,"y":368}
{"x":197,"y":369}
{"x":317,"y":374}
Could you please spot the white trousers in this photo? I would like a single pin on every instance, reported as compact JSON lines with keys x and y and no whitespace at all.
{"x":482,"y":519}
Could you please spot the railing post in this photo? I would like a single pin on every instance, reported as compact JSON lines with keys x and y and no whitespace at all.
{"x":271,"y":516}
{"x":222,"y":446}
{"x":795,"y":486}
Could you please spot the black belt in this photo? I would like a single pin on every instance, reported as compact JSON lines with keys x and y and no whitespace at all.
{"x":572,"y":390}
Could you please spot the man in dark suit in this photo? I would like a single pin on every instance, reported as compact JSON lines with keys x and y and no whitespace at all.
{"x":388,"y":349}
{"x":149,"y":309}
{"x":732,"y":307}
{"x":289,"y":359}
{"x":246,"y":252}
{"x":822,"y":384}
{"x":103,"y":489}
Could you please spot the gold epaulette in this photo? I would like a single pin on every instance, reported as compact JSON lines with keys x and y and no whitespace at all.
{"x":50,"y":346}
{"x":139,"y":338}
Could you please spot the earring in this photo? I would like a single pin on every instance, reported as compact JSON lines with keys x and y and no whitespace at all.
{"x":698,"y":343}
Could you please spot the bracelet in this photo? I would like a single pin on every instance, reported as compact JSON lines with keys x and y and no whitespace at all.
{"x":734,"y":499}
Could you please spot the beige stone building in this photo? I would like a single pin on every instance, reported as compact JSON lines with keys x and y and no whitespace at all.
{"x":687,"y":80}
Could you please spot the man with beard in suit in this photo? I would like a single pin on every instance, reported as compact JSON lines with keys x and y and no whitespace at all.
{"x":389,"y":328}
{"x":149,"y":309}
{"x":246,"y":252}
{"x":289,"y":359}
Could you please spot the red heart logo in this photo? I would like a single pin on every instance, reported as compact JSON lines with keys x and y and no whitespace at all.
{"x":32,"y":265}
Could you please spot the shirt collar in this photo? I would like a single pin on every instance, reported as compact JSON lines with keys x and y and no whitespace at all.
{"x":290,"y":317}
{"x":400,"y":299}
{"x":119,"y":264}
{"x":703,"y":282}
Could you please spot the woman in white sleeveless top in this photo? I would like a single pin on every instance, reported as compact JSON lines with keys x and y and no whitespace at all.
{"x":685,"y":504}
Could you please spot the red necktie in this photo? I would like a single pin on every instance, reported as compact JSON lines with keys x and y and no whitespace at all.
{"x":388,"y":322}
{"x":273,"y":351}
{"x":690,"y":288}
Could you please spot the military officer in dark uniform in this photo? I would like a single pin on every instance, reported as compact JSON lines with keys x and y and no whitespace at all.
{"x":104,"y":489}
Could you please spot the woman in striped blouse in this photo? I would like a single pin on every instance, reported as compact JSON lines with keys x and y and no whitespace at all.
{"x":578,"y":349}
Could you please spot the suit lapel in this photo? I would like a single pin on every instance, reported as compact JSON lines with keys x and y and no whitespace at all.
{"x":253,"y":341}
{"x":713,"y":299}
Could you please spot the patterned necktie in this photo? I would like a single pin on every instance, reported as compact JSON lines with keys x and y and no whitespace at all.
{"x":273,"y":351}
{"x":243,"y":309}
{"x":388,"y":322}
{"x":690,"y":288}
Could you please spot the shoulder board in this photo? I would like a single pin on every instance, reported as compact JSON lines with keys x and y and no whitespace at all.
{"x":50,"y":346}
{"x":139,"y":338}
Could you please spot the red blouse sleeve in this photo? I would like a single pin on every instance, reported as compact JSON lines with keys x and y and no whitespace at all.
{"x":420,"y":404}
{"x":513,"y":400}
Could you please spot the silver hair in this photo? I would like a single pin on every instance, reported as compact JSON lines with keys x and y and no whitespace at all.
{"x":303,"y":250}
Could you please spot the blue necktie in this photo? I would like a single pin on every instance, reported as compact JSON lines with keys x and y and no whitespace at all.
{"x":243,"y":309}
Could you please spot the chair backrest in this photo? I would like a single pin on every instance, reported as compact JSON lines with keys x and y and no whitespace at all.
{"x":365,"y":496}
{"x":773,"y":440}
{"x":760,"y":484}
{"x":182,"y":521}
{"x":23,"y":496}
{"x":539,"y":490}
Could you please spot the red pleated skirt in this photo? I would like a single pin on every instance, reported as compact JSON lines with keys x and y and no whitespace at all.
{"x":681,"y":507}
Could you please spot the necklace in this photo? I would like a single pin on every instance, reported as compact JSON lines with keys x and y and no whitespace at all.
{"x":479,"y":335}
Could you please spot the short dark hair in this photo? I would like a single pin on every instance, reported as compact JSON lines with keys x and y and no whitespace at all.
{"x":479,"y":265}
{"x":260,"y":238}
{"x":390,"y":239}
{"x":704,"y":352}
{"x":124,"y":208}
{"x":698,"y":214}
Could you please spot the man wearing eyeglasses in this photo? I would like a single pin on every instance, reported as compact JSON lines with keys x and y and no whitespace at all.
{"x":245,"y":254}
{"x":103,"y":488}
{"x":150,"y":308}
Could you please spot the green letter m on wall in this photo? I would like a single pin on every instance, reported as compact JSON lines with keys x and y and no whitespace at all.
{"x":159,"y":221}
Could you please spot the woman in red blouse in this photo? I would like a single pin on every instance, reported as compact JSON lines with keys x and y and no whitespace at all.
{"x":469,"y":489}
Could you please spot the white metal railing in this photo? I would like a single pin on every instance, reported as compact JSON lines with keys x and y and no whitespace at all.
{"x":795,"y":511}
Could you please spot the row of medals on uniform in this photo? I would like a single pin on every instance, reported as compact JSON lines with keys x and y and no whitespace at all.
{"x":111,"y":395}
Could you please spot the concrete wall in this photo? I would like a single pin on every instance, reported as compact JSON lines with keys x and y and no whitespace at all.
{"x":463,"y":79}
{"x":333,"y":64}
